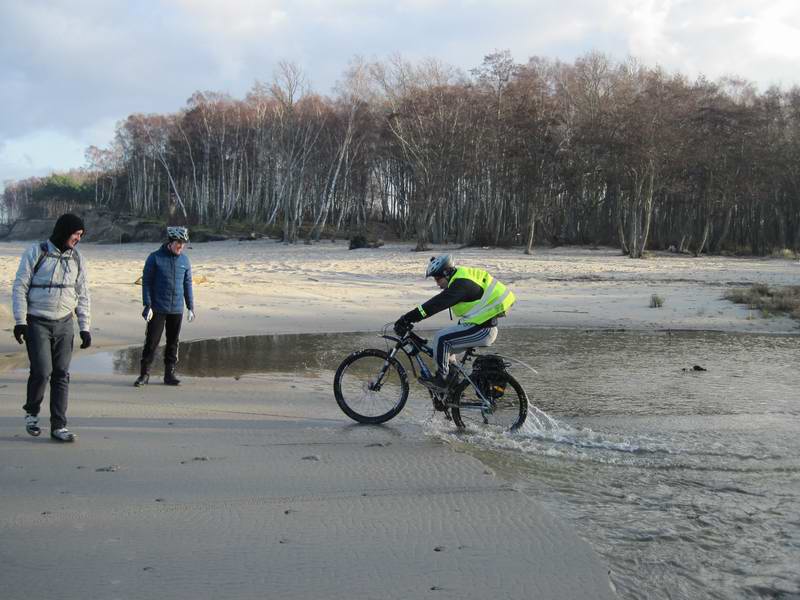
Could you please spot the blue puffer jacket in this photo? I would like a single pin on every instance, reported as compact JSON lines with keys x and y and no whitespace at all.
{"x":167,"y":282}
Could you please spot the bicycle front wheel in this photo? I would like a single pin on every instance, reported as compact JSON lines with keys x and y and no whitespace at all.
{"x":506,"y":412}
{"x":370,"y":386}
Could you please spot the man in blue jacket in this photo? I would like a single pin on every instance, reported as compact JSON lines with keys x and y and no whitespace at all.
{"x":166,"y":287}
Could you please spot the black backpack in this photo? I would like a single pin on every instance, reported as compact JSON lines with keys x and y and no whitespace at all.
{"x":44,"y":249}
{"x":490,"y":375}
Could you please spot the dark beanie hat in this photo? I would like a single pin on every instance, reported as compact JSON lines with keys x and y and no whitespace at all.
{"x":66,"y":225}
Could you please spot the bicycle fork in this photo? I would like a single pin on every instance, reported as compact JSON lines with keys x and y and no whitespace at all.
{"x":375,"y":386}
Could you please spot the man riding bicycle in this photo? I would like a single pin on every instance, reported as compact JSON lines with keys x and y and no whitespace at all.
{"x":472,"y":295}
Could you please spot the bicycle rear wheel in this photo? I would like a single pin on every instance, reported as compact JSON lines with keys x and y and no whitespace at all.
{"x":370,"y":387}
{"x":506,"y":413}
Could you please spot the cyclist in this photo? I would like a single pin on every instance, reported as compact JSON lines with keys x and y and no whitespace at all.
{"x":166,"y":287}
{"x":472,"y":295}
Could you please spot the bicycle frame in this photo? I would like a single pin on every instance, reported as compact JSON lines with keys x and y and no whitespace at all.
{"x":413,"y":346}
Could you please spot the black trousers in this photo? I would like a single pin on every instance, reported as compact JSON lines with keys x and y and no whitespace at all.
{"x":153,"y":337}
{"x":49,"y":345}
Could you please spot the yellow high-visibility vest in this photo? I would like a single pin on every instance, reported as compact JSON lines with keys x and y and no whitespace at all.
{"x":496,"y":298}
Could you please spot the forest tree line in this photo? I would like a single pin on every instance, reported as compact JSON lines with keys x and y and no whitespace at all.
{"x":593,"y":152}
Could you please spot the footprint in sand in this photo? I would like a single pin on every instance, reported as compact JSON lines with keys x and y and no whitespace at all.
{"x":196,"y":459}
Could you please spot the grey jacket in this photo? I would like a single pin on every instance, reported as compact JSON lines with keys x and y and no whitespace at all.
{"x":59,"y":287}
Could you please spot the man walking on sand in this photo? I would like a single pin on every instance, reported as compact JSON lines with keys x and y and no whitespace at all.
{"x":51,"y":284}
{"x":166,"y":287}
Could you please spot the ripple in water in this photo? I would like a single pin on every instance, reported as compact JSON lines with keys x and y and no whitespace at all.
{"x":686,"y":482}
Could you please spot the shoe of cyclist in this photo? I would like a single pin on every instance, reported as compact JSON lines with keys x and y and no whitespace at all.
{"x":434,"y":382}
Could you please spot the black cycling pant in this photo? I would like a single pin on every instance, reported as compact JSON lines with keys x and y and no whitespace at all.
{"x":155,"y":327}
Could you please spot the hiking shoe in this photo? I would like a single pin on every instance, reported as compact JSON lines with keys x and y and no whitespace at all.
{"x":62,"y":435}
{"x":32,"y":425}
{"x":433,"y":382}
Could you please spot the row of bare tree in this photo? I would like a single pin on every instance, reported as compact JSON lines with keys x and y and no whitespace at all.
{"x":595,"y":152}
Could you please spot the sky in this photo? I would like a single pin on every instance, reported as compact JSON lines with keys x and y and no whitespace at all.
{"x":70,"y":70}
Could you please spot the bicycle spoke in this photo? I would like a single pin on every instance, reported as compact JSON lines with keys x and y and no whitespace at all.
{"x":504,"y":410}
{"x":370,"y":387}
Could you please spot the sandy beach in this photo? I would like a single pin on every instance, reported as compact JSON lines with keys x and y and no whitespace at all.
{"x":260,"y":487}
{"x":268,"y":287}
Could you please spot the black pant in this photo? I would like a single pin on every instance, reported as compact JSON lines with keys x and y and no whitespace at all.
{"x":154,"y":330}
{"x":49,"y":345}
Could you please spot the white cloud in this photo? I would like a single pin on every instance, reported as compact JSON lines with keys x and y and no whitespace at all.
{"x":777,"y":31}
{"x":66,"y":66}
{"x":39,"y":153}
{"x":754,"y":40}
{"x":44,"y":151}
{"x":236,"y":17}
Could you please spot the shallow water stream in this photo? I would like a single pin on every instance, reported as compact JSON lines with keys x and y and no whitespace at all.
{"x":687,"y":482}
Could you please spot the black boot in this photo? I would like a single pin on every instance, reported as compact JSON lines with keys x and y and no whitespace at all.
{"x":169,"y":376}
{"x":436,"y":382}
{"x":143,"y":379}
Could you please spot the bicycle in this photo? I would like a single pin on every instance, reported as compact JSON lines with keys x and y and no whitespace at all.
{"x":371,"y":386}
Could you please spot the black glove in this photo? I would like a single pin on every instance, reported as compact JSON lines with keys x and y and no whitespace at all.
{"x":21,"y":333}
{"x":86,"y":338}
{"x":402,"y":326}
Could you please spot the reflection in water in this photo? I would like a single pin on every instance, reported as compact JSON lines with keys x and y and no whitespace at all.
{"x":250,"y":354}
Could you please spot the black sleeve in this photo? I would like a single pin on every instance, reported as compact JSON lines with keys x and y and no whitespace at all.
{"x":461,"y":290}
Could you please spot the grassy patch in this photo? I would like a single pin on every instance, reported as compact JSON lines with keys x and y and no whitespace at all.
{"x":779,"y":300}
{"x":785,"y":253}
{"x":656,"y":301}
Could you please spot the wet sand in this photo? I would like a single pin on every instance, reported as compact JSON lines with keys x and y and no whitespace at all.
{"x":259,"y":488}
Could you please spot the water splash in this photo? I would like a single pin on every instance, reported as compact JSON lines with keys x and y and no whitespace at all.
{"x":544,"y":435}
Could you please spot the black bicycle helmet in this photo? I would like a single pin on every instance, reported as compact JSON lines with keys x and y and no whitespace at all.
{"x":179,"y":234}
{"x":440,"y":266}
